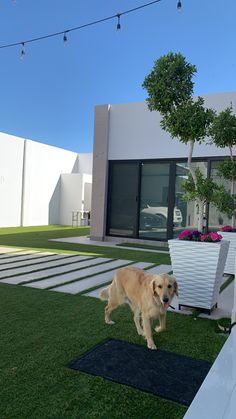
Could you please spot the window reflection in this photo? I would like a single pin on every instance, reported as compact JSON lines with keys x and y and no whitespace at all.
{"x":216,"y":218}
{"x":154,"y":200}
{"x":189,"y":210}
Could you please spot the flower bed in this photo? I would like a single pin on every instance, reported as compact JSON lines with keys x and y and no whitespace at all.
{"x":194,"y":235}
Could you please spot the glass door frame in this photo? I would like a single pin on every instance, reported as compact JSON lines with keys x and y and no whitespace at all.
{"x":171,"y":195}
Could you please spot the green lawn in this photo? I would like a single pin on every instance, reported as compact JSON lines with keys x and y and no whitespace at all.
{"x":42,"y":331}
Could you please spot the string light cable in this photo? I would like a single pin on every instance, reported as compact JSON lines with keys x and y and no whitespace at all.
{"x":65,"y":32}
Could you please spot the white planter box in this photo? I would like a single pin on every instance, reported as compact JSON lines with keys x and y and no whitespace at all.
{"x":230,"y":261}
{"x":198,"y":268}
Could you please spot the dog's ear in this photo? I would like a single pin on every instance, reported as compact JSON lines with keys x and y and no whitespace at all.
{"x":176,"y":290}
{"x":152,"y":286}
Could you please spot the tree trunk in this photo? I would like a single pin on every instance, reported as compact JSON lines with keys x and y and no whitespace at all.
{"x":199,"y":202}
{"x":190,"y":155}
{"x":201,"y":205}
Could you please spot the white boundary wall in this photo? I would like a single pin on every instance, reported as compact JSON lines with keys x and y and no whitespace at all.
{"x":11,"y":172}
{"x":30,"y":181}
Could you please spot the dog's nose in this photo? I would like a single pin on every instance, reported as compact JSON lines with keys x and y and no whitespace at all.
{"x":165,"y":300}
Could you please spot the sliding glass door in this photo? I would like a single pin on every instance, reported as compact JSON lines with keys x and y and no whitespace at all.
{"x":153,"y":211}
{"x":123,"y":199}
{"x":146,"y":199}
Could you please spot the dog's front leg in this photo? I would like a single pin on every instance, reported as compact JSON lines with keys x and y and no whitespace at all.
{"x":147,"y":331}
{"x":162,"y":323}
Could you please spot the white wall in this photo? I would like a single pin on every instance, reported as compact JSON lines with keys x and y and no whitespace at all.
{"x":85,"y":163}
{"x":75,"y":195}
{"x":71,"y":196}
{"x":11,"y":166}
{"x":30,"y":182}
{"x":43,"y":167}
{"x":135,"y":132}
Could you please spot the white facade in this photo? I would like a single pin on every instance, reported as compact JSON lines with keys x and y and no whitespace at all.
{"x":131,"y":132}
{"x":135,"y":132}
{"x":31,"y":191}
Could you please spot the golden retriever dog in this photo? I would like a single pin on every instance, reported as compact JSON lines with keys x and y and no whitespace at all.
{"x":148,"y":296}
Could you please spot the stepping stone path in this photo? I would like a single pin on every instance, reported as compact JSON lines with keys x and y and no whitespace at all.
{"x":65,"y":273}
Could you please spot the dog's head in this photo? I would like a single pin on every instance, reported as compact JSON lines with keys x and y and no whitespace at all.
{"x":164,"y":287}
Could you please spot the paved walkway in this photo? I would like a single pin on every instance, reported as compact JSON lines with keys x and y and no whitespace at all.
{"x":81,"y":274}
{"x":113,"y":243}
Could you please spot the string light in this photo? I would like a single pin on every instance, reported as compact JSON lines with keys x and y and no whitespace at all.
{"x":65,"y":39}
{"x":64,"y":33}
{"x":118,"y":27}
{"x":179,"y":5}
{"x":22,"y":53}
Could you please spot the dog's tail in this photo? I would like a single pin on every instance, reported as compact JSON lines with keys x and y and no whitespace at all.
{"x":104,"y":294}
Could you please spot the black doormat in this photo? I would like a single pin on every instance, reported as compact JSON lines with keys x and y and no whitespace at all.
{"x":165,"y":374}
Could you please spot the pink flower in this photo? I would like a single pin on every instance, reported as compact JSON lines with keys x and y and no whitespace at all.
{"x":203,"y":237}
{"x":215,"y":236}
{"x":226,"y":228}
{"x":184,"y":233}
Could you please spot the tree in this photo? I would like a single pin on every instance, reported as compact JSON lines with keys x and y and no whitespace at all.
{"x":223,"y":133}
{"x":170,"y":92}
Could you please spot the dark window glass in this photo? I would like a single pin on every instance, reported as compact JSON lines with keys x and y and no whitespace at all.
{"x":122,"y":213}
{"x":153,"y":214}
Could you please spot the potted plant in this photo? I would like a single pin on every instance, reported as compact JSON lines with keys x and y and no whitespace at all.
{"x":223,"y":133}
{"x":170,"y":92}
{"x":198,"y":262}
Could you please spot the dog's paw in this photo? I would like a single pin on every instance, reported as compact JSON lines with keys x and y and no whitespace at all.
{"x":140,"y":332}
{"x":159,"y":329}
{"x":152,"y":346}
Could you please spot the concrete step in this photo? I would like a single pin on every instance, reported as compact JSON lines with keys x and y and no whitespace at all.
{"x":34,"y":265}
{"x":84,"y":284}
{"x":90,"y":270}
{"x":53,"y":271}
{"x":19,"y":257}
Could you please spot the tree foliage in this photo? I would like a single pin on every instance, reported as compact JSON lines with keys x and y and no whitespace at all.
{"x":169,"y":84}
{"x":190,"y":121}
{"x":170,"y":89}
{"x":227,"y":169}
{"x":170,"y":92}
{"x":209,"y":192}
{"x":223,"y":128}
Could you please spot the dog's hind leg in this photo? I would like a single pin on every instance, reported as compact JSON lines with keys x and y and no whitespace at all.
{"x":112,"y":304}
{"x":116,"y":298}
{"x":137,"y":319}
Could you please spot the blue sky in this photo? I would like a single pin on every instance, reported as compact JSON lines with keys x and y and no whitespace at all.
{"x":50,"y":95}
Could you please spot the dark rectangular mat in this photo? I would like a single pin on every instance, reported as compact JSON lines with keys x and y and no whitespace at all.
{"x":165,"y":374}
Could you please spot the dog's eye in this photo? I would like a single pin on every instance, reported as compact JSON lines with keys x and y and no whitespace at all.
{"x":159,"y":286}
{"x":169,"y":286}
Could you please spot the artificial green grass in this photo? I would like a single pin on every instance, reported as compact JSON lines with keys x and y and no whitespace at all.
{"x":42,"y":331}
{"x":38,"y":238}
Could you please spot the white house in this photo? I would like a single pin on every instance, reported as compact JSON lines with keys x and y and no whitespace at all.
{"x":41,"y":184}
{"x":138,"y":171}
